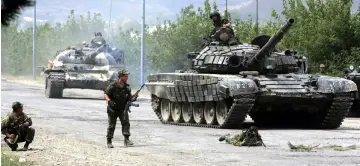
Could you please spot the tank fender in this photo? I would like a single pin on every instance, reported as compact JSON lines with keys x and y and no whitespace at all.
{"x":327,"y":84}
{"x":236,"y":86}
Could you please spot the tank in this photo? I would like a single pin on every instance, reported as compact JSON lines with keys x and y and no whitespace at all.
{"x":353,"y":73}
{"x":227,"y":83}
{"x":82,"y":68}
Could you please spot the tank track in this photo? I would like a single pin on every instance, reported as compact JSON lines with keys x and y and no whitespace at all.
{"x":57,"y":81}
{"x":337,"y":112}
{"x":238,"y":111}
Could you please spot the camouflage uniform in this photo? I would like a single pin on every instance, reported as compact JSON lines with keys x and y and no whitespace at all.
{"x":10,"y":125}
{"x":119,"y":97}
{"x":249,"y":137}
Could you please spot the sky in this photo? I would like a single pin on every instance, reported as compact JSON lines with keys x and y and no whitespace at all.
{"x":130,"y":10}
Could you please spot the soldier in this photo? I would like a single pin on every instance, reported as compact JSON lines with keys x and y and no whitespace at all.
{"x":250,"y":137}
{"x":16,"y":128}
{"x":227,"y":24}
{"x":117,"y":94}
{"x":216,"y":18}
{"x":84,"y":44}
{"x":98,"y":38}
{"x":322,"y":69}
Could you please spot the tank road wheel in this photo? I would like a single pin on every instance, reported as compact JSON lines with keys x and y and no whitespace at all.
{"x":198,"y":112}
{"x":54,"y":85}
{"x":176,"y":111}
{"x":165,"y":110}
{"x":187,"y":112}
{"x":221,"y":112}
{"x":209,"y":112}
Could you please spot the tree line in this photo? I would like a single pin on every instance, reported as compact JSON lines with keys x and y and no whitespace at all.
{"x":326,"y":32}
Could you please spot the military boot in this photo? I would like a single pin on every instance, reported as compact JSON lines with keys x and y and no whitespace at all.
{"x":109,"y":144}
{"x":127,"y":142}
{"x":26,"y":147}
{"x":11,"y":144}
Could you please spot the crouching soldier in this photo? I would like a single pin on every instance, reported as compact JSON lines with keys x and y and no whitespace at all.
{"x":250,"y":137}
{"x":15,"y":127}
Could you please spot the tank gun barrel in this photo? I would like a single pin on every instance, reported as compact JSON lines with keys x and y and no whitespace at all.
{"x":275,"y":39}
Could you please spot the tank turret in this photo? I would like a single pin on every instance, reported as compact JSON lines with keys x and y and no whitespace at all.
{"x":274,"y":40}
{"x":260,"y":56}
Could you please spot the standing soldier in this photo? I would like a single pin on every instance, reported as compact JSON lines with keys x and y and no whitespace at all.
{"x":117,"y":94}
{"x":322,"y":69}
{"x":216,"y":18}
{"x":16,"y":128}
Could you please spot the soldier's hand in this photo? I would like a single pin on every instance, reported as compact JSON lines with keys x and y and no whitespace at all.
{"x":10,"y":135}
{"x":134,"y":97}
{"x":111,"y":103}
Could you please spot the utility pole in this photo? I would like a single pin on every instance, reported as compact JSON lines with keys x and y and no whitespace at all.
{"x":109,"y":29}
{"x":34,"y":42}
{"x":257,"y":17}
{"x":142,"y":44}
{"x":226,"y":11}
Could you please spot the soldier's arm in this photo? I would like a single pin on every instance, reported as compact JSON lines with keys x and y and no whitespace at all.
{"x":27,"y":120}
{"x":108,"y":92}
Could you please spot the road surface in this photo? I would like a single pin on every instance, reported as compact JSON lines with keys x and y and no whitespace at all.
{"x":72,"y":130}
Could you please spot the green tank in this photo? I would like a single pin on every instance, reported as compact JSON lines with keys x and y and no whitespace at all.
{"x":229,"y":82}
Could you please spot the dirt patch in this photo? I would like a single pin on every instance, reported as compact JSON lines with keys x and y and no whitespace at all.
{"x":56,"y":149}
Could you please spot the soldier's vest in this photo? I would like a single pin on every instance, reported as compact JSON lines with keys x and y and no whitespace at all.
{"x":120,"y":96}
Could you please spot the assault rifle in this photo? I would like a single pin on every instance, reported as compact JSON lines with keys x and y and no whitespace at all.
{"x":131,"y":102}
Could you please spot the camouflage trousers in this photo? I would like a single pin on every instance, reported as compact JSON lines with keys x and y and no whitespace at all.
{"x":25,"y":134}
{"x":124,"y":119}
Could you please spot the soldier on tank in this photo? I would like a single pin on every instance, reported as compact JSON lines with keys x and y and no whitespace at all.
{"x":84,"y":44}
{"x":227,"y":24}
{"x":322,"y":69}
{"x":250,"y":137}
{"x":98,"y":38}
{"x":117,"y":94}
{"x":216,"y":18}
{"x":15,"y":127}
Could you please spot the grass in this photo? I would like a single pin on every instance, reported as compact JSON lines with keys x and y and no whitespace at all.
{"x":10,"y":159}
{"x":312,"y":148}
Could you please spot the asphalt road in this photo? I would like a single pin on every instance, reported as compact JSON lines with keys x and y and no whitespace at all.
{"x":82,"y":114}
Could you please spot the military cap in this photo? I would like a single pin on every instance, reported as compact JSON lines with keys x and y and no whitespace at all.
{"x":123,"y":72}
{"x":322,"y":65}
{"x":215,"y":13}
{"x":224,"y":21}
{"x":16,"y":105}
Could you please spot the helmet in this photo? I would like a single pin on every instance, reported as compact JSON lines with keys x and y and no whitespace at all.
{"x":84,"y":42}
{"x":123,"y":72}
{"x":215,"y":13}
{"x":16,"y":105}
{"x":322,"y":65}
